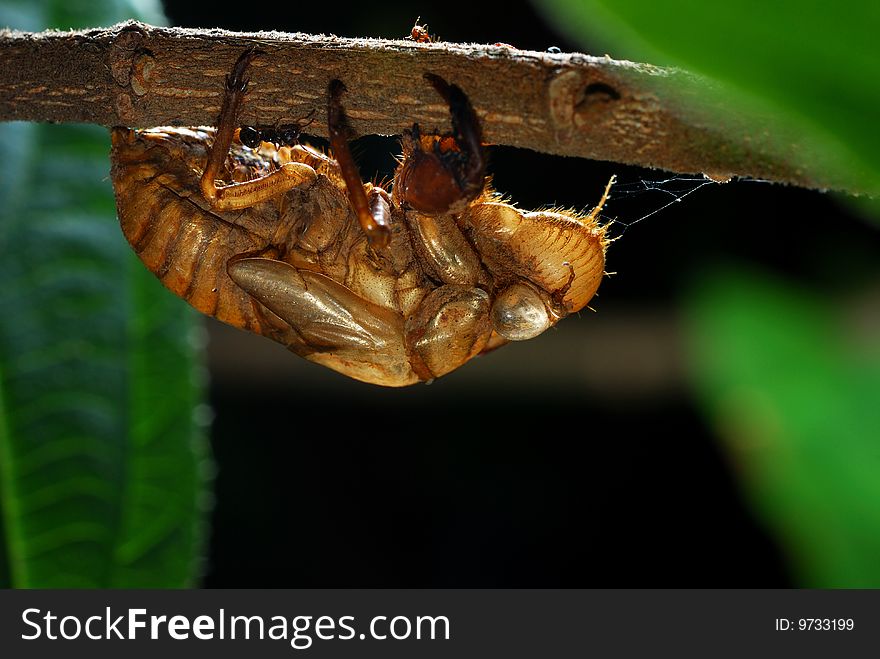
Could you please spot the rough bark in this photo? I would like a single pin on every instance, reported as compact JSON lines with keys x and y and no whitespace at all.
{"x":569,"y":104}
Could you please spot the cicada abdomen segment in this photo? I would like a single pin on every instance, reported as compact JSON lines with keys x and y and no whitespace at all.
{"x":175,"y":232}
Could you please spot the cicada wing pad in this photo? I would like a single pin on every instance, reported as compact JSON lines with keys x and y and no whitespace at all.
{"x":338,"y":328}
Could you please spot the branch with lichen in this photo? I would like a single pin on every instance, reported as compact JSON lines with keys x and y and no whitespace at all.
{"x":138,"y":75}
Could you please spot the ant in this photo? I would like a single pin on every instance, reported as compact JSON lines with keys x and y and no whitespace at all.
{"x":419,"y":33}
{"x":279,"y":135}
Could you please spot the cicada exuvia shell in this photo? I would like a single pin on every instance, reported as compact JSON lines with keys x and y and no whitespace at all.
{"x":390,"y":288}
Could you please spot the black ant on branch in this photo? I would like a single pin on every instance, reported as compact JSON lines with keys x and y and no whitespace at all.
{"x":278,"y":135}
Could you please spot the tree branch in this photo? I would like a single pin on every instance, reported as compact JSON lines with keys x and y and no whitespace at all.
{"x":569,"y":104}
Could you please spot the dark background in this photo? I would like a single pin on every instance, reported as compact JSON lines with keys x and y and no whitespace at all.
{"x":575,"y":459}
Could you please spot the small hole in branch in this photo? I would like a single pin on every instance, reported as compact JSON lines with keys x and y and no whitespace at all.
{"x":597,"y":93}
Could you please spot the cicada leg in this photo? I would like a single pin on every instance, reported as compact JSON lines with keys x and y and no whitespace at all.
{"x":237,"y":196}
{"x":373,"y":218}
{"x":450,"y":326}
{"x":467,"y":133}
{"x":594,"y":214}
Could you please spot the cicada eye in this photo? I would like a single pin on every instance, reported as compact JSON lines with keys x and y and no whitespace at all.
{"x":250,"y":137}
{"x":519,"y":313}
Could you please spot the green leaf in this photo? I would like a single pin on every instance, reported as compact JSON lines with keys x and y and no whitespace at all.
{"x":777,"y":368}
{"x":815,"y":64}
{"x":791,"y":387}
{"x":102,"y":459}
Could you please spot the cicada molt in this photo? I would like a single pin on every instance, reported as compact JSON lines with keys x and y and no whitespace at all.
{"x":388,"y":287}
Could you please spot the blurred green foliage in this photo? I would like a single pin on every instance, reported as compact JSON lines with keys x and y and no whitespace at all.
{"x":102,"y":461}
{"x":790,"y":385}
{"x":816,"y":65}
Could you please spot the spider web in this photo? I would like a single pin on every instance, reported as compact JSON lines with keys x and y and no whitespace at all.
{"x":644,"y":198}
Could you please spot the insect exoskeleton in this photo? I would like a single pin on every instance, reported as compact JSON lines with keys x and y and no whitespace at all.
{"x":188,"y":243}
{"x":388,"y":288}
